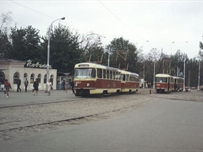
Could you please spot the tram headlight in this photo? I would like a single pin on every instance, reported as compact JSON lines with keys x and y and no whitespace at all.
{"x":88,"y":84}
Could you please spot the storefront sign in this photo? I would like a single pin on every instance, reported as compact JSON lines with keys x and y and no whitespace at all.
{"x":37,"y":65}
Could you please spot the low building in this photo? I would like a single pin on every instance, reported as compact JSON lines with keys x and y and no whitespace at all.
{"x":14,"y":70}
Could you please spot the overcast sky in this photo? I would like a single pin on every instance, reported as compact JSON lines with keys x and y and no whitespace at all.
{"x":167,"y":25}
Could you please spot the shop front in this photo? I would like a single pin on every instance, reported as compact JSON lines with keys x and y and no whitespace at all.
{"x":12,"y":70}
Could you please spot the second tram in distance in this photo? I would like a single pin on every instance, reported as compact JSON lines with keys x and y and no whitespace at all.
{"x":96,"y":79}
{"x":168,"y":83}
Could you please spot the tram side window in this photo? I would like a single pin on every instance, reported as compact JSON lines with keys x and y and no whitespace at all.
{"x":99,"y":73}
{"x":180,"y":80}
{"x":104,"y":74}
{"x":136,"y":78}
{"x":161,"y":79}
{"x":132,"y":78}
{"x":117,"y":76}
{"x":127,"y":77}
{"x":113,"y":75}
{"x":110,"y":74}
{"x":123,"y":77}
{"x":107,"y":74}
{"x":93,"y":73}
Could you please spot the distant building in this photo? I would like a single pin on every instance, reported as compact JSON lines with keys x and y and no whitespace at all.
{"x":14,"y":69}
{"x":62,"y":77}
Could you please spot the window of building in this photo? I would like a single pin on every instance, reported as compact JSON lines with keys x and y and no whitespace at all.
{"x":25,"y":77}
{"x":2,"y":77}
{"x":39,"y":78}
{"x":15,"y":78}
{"x":45,"y":78}
{"x":32,"y":78}
{"x":51,"y":78}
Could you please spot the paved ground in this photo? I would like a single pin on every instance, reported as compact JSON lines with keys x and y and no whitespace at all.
{"x":20,"y":98}
{"x":163,"y":125}
{"x":71,"y":107}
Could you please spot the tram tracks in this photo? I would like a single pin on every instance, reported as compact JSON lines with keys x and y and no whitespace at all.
{"x":40,"y":103}
{"x":89,"y":110}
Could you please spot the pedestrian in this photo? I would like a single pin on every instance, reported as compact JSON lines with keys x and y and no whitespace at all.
{"x":35,"y":86}
{"x":7,"y":86}
{"x":66,"y":86}
{"x":18,"y":85}
{"x":26,"y":84}
{"x":63,"y":85}
{"x":72,"y":86}
{"x":49,"y":87}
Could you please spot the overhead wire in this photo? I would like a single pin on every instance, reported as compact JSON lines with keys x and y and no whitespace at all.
{"x":43,"y":14}
{"x":32,"y":9}
{"x":120,"y":20}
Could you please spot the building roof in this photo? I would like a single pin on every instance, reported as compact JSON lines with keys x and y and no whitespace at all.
{"x":11,"y":60}
{"x":62,"y":74}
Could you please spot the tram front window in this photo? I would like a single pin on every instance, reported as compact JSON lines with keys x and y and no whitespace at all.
{"x":85,"y":73}
{"x":161,"y":79}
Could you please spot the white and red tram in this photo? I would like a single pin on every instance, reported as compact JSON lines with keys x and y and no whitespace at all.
{"x":92,"y":79}
{"x":129,"y":81}
{"x":164,"y":83}
{"x":168,"y":83}
{"x":178,"y":83}
{"x":95,"y":79}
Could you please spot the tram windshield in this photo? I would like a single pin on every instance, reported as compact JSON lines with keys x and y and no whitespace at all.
{"x":161,"y":79}
{"x":85,"y":73}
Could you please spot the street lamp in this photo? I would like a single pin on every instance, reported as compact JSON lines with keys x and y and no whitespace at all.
{"x":154,"y":74}
{"x":198,"y":76}
{"x":200,"y":58}
{"x":48,"y":47}
{"x":184,"y":77}
{"x":109,"y":54}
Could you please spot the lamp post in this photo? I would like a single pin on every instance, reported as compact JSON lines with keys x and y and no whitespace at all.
{"x":198,"y":76}
{"x":184,"y":77}
{"x":48,"y":47}
{"x":109,"y":54}
{"x":154,"y":75}
{"x":143,"y":76}
{"x":200,"y":58}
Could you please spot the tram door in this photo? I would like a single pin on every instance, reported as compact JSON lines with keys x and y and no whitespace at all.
{"x":168,"y":79}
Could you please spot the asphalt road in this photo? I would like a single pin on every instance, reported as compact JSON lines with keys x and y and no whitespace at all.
{"x":162,"y":125}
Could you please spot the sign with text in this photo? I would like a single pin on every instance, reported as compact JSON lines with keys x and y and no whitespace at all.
{"x":36,"y":65}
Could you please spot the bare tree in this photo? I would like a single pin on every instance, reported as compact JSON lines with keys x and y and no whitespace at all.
{"x":5,"y":19}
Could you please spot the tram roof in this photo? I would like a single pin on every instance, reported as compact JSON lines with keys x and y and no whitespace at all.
{"x":176,"y":77}
{"x":95,"y":65}
{"x":128,"y":72}
{"x":163,"y":75}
